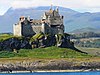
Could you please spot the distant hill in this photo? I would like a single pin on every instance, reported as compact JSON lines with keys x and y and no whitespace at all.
{"x":72,"y":19}
{"x":85,"y":33}
{"x":85,"y":30}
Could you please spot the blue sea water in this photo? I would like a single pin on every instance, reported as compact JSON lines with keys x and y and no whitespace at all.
{"x":55,"y":73}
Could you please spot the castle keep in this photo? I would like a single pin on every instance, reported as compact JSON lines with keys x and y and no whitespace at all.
{"x":51,"y":23}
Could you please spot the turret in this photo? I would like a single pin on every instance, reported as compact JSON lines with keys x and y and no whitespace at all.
{"x":57,"y":9}
{"x":22,"y":18}
{"x":28,"y":18}
{"x":51,"y":7}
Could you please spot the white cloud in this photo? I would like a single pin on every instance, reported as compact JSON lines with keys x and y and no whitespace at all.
{"x":64,"y":3}
{"x":4,"y":6}
{"x":79,"y":5}
{"x":30,"y":3}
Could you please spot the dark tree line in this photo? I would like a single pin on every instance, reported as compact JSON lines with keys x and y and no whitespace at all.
{"x":85,"y":35}
{"x":89,"y":43}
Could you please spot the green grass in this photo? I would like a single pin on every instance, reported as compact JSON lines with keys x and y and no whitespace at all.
{"x":6,"y":54}
{"x":36,"y":36}
{"x":49,"y":52}
{"x":4,"y":37}
{"x":92,"y":51}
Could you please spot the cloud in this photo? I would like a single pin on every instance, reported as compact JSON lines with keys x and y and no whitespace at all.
{"x":29,"y":3}
{"x":4,"y":6}
{"x":65,"y":3}
{"x":79,"y":5}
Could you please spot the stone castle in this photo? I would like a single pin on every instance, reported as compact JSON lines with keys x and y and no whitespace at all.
{"x":51,"y":23}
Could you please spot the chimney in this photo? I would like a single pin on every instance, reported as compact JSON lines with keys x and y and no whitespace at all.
{"x":57,"y":9}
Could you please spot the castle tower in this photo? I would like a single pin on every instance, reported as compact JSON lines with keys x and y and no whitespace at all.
{"x":55,"y":20}
{"x":17,"y":29}
{"x":57,"y":9}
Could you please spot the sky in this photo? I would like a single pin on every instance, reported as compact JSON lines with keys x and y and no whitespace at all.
{"x":78,"y":5}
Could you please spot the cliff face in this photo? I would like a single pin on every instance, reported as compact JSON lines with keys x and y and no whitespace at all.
{"x":37,"y":41}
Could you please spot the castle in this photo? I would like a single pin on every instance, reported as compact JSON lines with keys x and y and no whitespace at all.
{"x":35,"y":30}
{"x":51,"y":23}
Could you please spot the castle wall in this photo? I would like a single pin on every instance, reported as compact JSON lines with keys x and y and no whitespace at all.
{"x":54,"y":30}
{"x":37,"y":28}
{"x":56,"y":22}
{"x":27,"y":30}
{"x":41,"y":28}
{"x":60,"y":31}
{"x":17,"y":29}
{"x":47,"y":30}
{"x":57,"y":29}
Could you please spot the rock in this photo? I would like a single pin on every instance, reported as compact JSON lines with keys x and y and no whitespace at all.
{"x":25,"y":44}
{"x":37,"y":41}
{"x":49,"y":65}
{"x":14,"y":43}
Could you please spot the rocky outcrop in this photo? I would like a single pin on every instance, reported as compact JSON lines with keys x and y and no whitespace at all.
{"x":38,"y":40}
{"x":59,"y":40}
{"x":49,"y":65}
{"x":14,"y":43}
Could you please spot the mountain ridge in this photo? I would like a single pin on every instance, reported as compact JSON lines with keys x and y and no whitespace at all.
{"x":85,"y":30}
{"x":72,"y":19}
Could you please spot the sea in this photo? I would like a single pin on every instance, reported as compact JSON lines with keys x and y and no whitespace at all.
{"x":54,"y":73}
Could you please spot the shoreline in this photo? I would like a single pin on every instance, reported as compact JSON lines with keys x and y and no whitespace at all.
{"x":50,"y":65}
{"x":37,"y":71}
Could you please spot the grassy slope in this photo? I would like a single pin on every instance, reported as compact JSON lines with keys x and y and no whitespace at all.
{"x":49,"y":52}
{"x":92,"y":51}
{"x":5,"y":36}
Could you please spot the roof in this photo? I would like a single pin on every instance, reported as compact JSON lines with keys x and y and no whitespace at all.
{"x":22,"y":17}
{"x":36,"y":21}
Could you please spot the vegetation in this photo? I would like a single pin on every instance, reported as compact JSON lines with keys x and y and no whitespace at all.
{"x":86,"y":39}
{"x":58,"y":38}
{"x":90,"y":42}
{"x":8,"y":36}
{"x":36,"y":36}
{"x":5,"y":36}
{"x":85,"y":35}
{"x":48,"y":52}
{"x":92,"y":51}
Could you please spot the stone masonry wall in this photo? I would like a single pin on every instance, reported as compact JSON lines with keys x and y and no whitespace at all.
{"x":17,"y":30}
